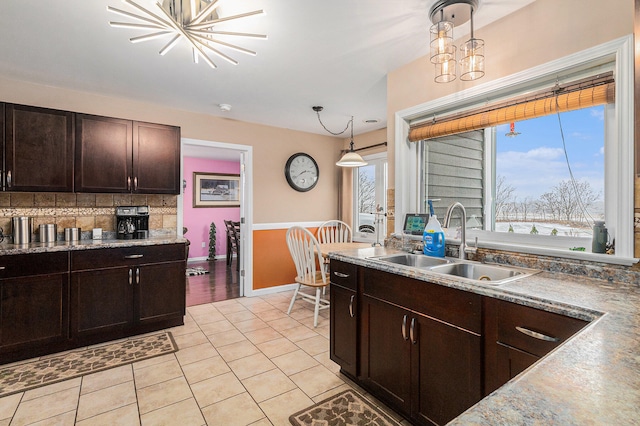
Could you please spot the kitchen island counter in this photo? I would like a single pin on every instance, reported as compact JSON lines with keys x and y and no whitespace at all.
{"x":593,"y":378}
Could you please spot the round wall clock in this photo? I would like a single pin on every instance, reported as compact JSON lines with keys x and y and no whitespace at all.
{"x":301,"y":172}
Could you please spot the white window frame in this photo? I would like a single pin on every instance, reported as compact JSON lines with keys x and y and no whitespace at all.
{"x":381,"y":183}
{"x":618,"y":147}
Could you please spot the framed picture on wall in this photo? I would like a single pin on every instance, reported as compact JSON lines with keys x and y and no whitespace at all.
{"x":216,"y":190}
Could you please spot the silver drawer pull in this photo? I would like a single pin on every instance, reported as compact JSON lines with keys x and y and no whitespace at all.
{"x":2,"y":268}
{"x":404,"y":328}
{"x":351,"y":305}
{"x":536,"y":335}
{"x":134,"y":256}
{"x":340,"y":274}
{"x":412,"y":331}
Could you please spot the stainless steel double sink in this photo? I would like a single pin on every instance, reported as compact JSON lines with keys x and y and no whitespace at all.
{"x":469,"y":270}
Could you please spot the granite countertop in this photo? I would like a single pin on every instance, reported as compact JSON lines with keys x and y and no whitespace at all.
{"x":593,"y":378}
{"x":10,"y":249}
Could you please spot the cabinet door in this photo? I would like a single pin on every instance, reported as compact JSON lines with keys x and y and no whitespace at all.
{"x":38,"y":149}
{"x":511,"y":362}
{"x":344,"y":329}
{"x":33,"y":311}
{"x":103,"y":154}
{"x":101,"y":300}
{"x":385,"y":353}
{"x":161,"y":291}
{"x":156,"y":157}
{"x":446,"y":368}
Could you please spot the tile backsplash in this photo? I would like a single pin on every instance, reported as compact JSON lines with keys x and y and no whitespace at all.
{"x":85,"y":211}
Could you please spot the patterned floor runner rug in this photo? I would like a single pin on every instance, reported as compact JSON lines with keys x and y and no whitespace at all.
{"x":20,"y":377}
{"x":343,"y":409}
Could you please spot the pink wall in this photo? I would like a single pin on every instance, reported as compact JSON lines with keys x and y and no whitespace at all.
{"x":198,"y":220}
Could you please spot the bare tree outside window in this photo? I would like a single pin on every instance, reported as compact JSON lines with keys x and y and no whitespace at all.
{"x":366,"y":192}
{"x":504,"y":196}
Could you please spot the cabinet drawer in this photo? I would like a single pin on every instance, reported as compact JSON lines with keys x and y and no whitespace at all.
{"x":534,"y":330}
{"x":344,"y":274}
{"x":21,"y":265}
{"x":450,"y":305}
{"x":125,"y":256}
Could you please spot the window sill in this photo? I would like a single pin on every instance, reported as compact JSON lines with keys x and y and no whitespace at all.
{"x":528,"y":248}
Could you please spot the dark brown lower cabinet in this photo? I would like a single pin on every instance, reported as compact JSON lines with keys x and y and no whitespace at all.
{"x":126,"y":290}
{"x":420,"y":346}
{"x":33,"y":304}
{"x":430,"y":351}
{"x":517,"y":336}
{"x":425,"y":368}
{"x":344,"y":329}
{"x":343,"y":340}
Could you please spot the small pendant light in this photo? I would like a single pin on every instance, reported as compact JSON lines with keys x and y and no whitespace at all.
{"x":472,"y":61}
{"x":351,"y":158}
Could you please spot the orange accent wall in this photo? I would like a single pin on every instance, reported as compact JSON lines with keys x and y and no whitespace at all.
{"x":272,"y":264}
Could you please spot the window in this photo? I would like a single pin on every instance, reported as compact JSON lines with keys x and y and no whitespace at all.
{"x":549,"y":175}
{"x":617,"y":159}
{"x":370,"y":199}
{"x":544,"y":175}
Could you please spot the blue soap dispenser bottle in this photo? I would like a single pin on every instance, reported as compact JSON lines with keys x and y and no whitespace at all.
{"x":433,"y":235}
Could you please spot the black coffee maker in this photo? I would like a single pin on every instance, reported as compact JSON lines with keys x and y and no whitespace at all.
{"x":132,"y":222}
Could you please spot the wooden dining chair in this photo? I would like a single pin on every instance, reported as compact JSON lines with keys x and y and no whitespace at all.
{"x":307,"y":257}
{"x":233,"y":241}
{"x":334,"y":231}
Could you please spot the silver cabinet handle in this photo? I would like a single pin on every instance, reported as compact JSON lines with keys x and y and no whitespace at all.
{"x":130,"y":276}
{"x":404,"y":328}
{"x":2,"y":268}
{"x":353,"y":296}
{"x":134,"y":256}
{"x":340,"y":274}
{"x":135,"y":183}
{"x":537,"y":335}
{"x":137,"y":275}
{"x":412,"y":331}
{"x":9,"y":179}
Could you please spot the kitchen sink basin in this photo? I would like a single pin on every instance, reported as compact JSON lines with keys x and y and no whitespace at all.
{"x":415,"y":260}
{"x":490,"y":274}
{"x":480,"y":273}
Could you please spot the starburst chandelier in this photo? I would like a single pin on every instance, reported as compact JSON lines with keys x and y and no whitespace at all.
{"x":194,"y":21}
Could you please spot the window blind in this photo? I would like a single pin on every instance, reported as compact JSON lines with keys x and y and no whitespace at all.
{"x":571,"y":97}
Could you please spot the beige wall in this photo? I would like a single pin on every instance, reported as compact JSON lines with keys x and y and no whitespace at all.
{"x":274,"y":200}
{"x":539,"y":33}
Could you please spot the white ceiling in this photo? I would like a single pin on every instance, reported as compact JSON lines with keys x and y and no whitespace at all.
{"x":334,"y":53}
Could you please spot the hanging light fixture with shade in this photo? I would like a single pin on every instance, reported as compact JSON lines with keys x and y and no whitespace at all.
{"x":351,"y":158}
{"x":445,"y":15}
{"x":195,"y":21}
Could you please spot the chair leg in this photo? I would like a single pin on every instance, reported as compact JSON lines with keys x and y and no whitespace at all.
{"x":315,"y":312}
{"x":293,"y":299}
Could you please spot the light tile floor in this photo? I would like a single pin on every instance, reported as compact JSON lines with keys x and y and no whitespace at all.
{"x":240,"y":362}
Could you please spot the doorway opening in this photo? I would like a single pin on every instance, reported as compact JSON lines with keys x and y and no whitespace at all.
{"x":222,"y":281}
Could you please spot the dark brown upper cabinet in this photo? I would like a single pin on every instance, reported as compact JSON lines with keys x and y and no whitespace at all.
{"x":121,"y":156}
{"x":38,"y":149}
{"x":156,"y":158}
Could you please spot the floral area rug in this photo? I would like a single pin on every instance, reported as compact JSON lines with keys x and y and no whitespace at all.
{"x":20,"y":377}
{"x":343,"y":409}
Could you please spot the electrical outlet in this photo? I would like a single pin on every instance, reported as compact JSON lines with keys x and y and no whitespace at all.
{"x":204,"y":244}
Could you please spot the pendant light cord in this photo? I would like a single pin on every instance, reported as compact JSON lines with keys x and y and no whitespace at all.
{"x":350,"y":122}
